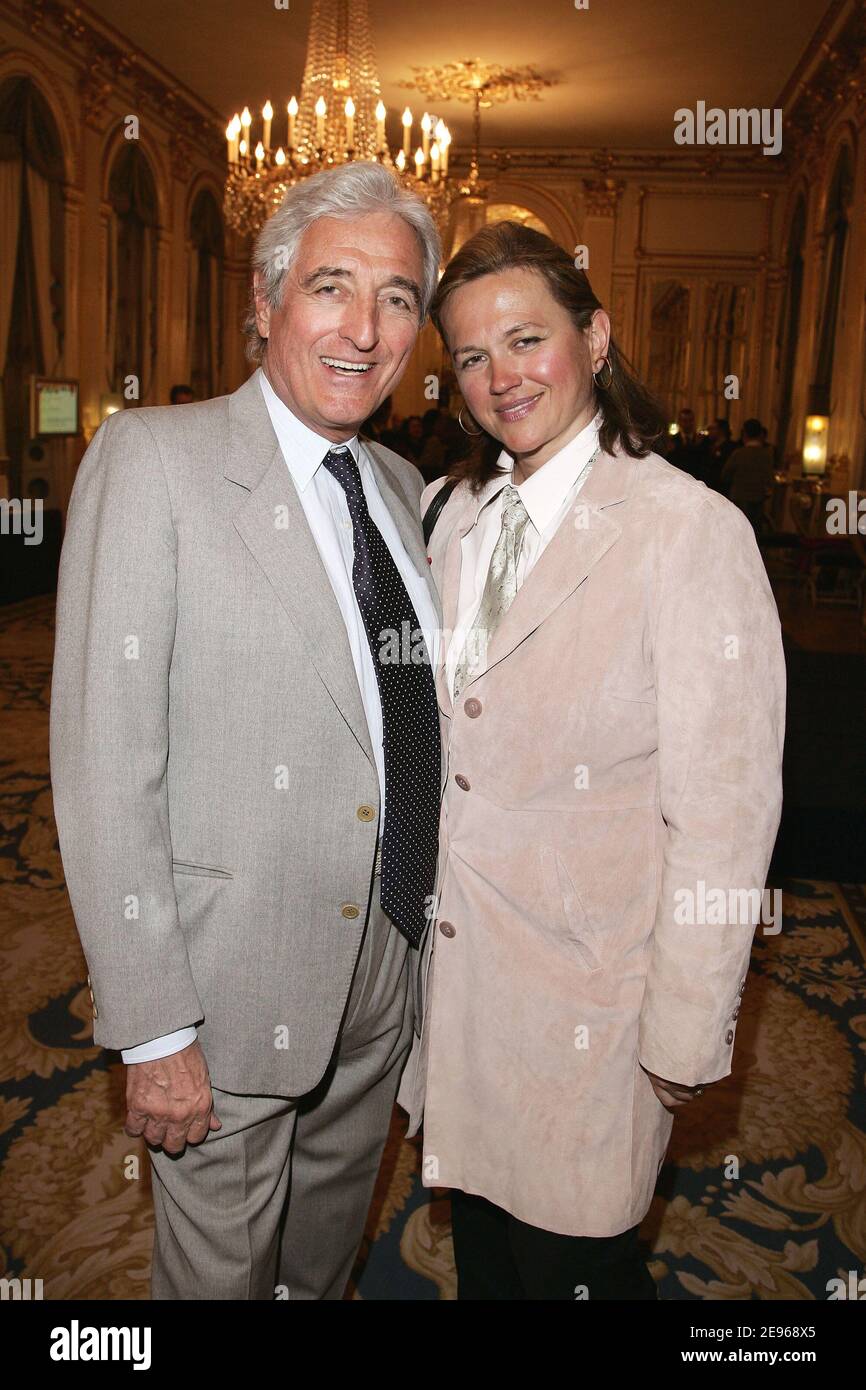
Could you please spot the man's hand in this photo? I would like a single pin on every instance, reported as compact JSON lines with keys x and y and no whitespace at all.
{"x":170,"y":1101}
{"x":670,"y":1093}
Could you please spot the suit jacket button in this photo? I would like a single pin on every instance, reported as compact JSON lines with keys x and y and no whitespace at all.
{"x":447,"y":929}
{"x":736,"y":1013}
{"x":350,"y":910}
{"x":472,"y":707}
{"x":729,"y":1036}
{"x":365,"y":813}
{"x":462,"y":782}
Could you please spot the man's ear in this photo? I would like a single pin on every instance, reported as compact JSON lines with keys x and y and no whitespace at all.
{"x":263,"y":308}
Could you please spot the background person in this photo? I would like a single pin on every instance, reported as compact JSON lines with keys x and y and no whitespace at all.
{"x":747,"y":477}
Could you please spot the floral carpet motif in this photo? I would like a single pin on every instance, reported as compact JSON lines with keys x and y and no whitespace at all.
{"x":763,"y":1195}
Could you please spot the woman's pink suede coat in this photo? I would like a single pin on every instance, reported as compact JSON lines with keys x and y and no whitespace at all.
{"x":622,"y":746}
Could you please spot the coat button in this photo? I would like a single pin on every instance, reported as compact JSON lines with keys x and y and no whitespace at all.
{"x":447,"y":929}
{"x":472,"y":707}
{"x":736,"y":1013}
{"x":365,"y":813}
{"x":462,"y":782}
{"x":350,"y":910}
{"x":729,"y":1036}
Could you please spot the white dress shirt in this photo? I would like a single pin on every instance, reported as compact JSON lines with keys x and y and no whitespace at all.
{"x":547,"y":494}
{"x":327,"y":512}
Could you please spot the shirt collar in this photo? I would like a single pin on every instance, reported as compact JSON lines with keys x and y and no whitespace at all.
{"x":544,"y":492}
{"x":303,"y":449}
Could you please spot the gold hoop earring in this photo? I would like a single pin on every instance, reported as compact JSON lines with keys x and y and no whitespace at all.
{"x":472,"y":433}
{"x":603,"y":385}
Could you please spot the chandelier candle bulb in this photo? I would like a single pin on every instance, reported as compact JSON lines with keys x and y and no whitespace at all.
{"x":233,"y":130}
{"x":444,"y":142}
{"x":339,"y":116}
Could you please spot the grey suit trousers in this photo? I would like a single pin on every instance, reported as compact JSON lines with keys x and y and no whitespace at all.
{"x":273,"y":1205}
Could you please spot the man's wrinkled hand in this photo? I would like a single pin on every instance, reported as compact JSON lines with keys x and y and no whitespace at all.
{"x":170,"y":1101}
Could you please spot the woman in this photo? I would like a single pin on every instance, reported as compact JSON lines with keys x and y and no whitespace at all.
{"x":612,"y":702}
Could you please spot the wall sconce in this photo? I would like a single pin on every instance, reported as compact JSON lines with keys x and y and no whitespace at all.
{"x":815,"y":444}
{"x":109,"y":404}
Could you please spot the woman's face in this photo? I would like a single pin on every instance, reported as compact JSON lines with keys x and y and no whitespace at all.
{"x":524,"y":369}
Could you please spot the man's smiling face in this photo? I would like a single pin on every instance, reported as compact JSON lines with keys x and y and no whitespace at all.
{"x":342,"y":336}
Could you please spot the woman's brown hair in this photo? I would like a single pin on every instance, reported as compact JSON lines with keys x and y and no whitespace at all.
{"x":632,"y":418}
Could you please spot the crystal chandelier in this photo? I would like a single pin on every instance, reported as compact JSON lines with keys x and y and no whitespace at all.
{"x":340,"y":118}
{"x":482,"y":85}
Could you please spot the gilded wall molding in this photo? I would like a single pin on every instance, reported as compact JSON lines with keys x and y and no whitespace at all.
{"x":20,"y":62}
{"x":828,"y":82}
{"x":645,"y":254}
{"x":110,"y":66}
{"x":545,"y":202}
{"x":601,"y":196}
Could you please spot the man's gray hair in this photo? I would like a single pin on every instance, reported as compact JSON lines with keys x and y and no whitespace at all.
{"x":348,"y":191}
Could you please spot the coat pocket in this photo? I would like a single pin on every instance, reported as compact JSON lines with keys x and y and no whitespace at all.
{"x":182,"y":866}
{"x":573,"y":912}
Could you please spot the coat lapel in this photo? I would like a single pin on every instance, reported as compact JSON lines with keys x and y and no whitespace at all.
{"x":408,"y":523}
{"x":450,"y":584}
{"x":585,"y":534}
{"x":287,"y":552}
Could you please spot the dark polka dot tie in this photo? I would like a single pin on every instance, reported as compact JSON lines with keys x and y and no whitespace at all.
{"x":410,"y":715}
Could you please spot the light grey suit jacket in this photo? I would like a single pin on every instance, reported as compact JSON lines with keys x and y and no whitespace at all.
{"x":209,"y":749}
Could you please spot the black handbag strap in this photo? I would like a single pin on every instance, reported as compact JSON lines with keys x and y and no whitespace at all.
{"x":431,"y":516}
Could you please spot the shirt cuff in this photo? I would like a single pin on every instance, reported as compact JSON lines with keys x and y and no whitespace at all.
{"x":160,"y":1047}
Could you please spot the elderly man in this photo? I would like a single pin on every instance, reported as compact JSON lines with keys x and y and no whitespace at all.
{"x":246,"y":777}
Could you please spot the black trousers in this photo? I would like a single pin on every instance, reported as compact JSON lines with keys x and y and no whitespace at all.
{"x":499,"y":1257}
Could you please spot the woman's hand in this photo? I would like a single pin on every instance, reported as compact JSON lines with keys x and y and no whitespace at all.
{"x":670,"y":1093}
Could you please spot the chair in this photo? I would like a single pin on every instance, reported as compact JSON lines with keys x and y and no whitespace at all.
{"x":836,"y":568}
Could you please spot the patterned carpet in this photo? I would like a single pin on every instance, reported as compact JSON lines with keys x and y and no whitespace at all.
{"x":75,"y":1205}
